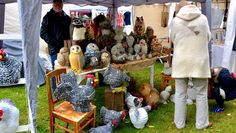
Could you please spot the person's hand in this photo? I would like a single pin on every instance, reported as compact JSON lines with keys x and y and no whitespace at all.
{"x":67,"y":43}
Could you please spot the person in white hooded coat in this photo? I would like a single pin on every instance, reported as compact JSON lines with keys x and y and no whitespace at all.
{"x":190,"y":35}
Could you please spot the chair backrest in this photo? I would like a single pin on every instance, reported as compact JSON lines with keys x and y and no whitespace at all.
{"x":54,"y":76}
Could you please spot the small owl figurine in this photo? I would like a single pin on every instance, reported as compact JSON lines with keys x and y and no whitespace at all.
{"x":92,"y":54}
{"x":76,"y":58}
{"x":105,"y":57}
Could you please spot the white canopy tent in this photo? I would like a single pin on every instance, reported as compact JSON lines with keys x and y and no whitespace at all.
{"x":229,"y":56}
{"x":30,"y":15}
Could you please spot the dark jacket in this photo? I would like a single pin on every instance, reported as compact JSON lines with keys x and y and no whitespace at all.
{"x":227,"y":83}
{"x":54,"y":30}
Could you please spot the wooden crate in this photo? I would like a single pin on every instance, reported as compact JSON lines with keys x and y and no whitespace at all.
{"x":114,"y":100}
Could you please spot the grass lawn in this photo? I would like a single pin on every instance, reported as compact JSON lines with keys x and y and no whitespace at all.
{"x":160,"y":120}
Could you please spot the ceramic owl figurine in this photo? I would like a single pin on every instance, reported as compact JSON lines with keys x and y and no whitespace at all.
{"x":92,"y":55}
{"x":63,"y":57}
{"x":76,"y":58}
{"x":105,"y":57}
{"x":144,"y":48}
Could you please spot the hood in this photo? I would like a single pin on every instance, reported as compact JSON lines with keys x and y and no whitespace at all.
{"x":189,"y":12}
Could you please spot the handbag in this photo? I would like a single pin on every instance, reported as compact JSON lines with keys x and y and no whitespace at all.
{"x":164,"y":16}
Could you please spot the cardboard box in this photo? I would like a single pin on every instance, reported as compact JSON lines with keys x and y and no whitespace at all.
{"x":114,"y":100}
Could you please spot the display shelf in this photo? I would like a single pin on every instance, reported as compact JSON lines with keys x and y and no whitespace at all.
{"x":136,"y":64}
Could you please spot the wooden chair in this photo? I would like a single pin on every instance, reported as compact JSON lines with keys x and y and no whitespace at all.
{"x":165,"y":80}
{"x":62,"y":110}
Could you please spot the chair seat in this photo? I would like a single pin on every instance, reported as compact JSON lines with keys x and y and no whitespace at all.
{"x":66,"y":111}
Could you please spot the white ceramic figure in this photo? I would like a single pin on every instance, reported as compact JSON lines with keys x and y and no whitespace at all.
{"x":9,"y":116}
{"x":132,"y":101}
{"x":165,"y":94}
{"x":138,"y":116}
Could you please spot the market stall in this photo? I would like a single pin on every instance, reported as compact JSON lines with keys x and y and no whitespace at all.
{"x":30,"y":13}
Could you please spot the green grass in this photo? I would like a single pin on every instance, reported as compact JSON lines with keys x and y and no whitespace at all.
{"x":160,"y":120}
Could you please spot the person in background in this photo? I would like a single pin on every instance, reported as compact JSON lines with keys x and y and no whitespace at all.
{"x":190,"y":35}
{"x":223,"y":87}
{"x":55,"y":29}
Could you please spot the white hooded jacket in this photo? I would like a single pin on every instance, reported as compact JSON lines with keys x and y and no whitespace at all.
{"x":190,"y":35}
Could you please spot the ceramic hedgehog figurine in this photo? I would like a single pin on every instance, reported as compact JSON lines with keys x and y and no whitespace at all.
{"x":115,"y":77}
{"x":10,"y":69}
{"x":109,"y":115}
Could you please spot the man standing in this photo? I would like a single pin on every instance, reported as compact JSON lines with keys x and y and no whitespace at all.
{"x":190,"y":35}
{"x":55,"y":29}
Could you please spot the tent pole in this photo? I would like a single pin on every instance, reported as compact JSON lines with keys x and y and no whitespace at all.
{"x":206,"y":9}
{"x":114,"y":15}
{"x":2,"y":16}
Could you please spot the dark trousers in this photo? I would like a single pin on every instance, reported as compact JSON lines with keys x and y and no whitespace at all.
{"x":218,"y":97}
{"x":53,"y":58}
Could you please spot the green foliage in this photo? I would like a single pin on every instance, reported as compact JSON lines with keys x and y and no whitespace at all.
{"x":160,"y":120}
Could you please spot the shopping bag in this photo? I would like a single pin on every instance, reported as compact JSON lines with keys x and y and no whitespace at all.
{"x":164,"y":16}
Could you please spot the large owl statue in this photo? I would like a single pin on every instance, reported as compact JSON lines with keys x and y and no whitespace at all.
{"x":76,"y":58}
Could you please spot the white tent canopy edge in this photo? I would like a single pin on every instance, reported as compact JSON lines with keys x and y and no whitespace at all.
{"x":30,"y":15}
